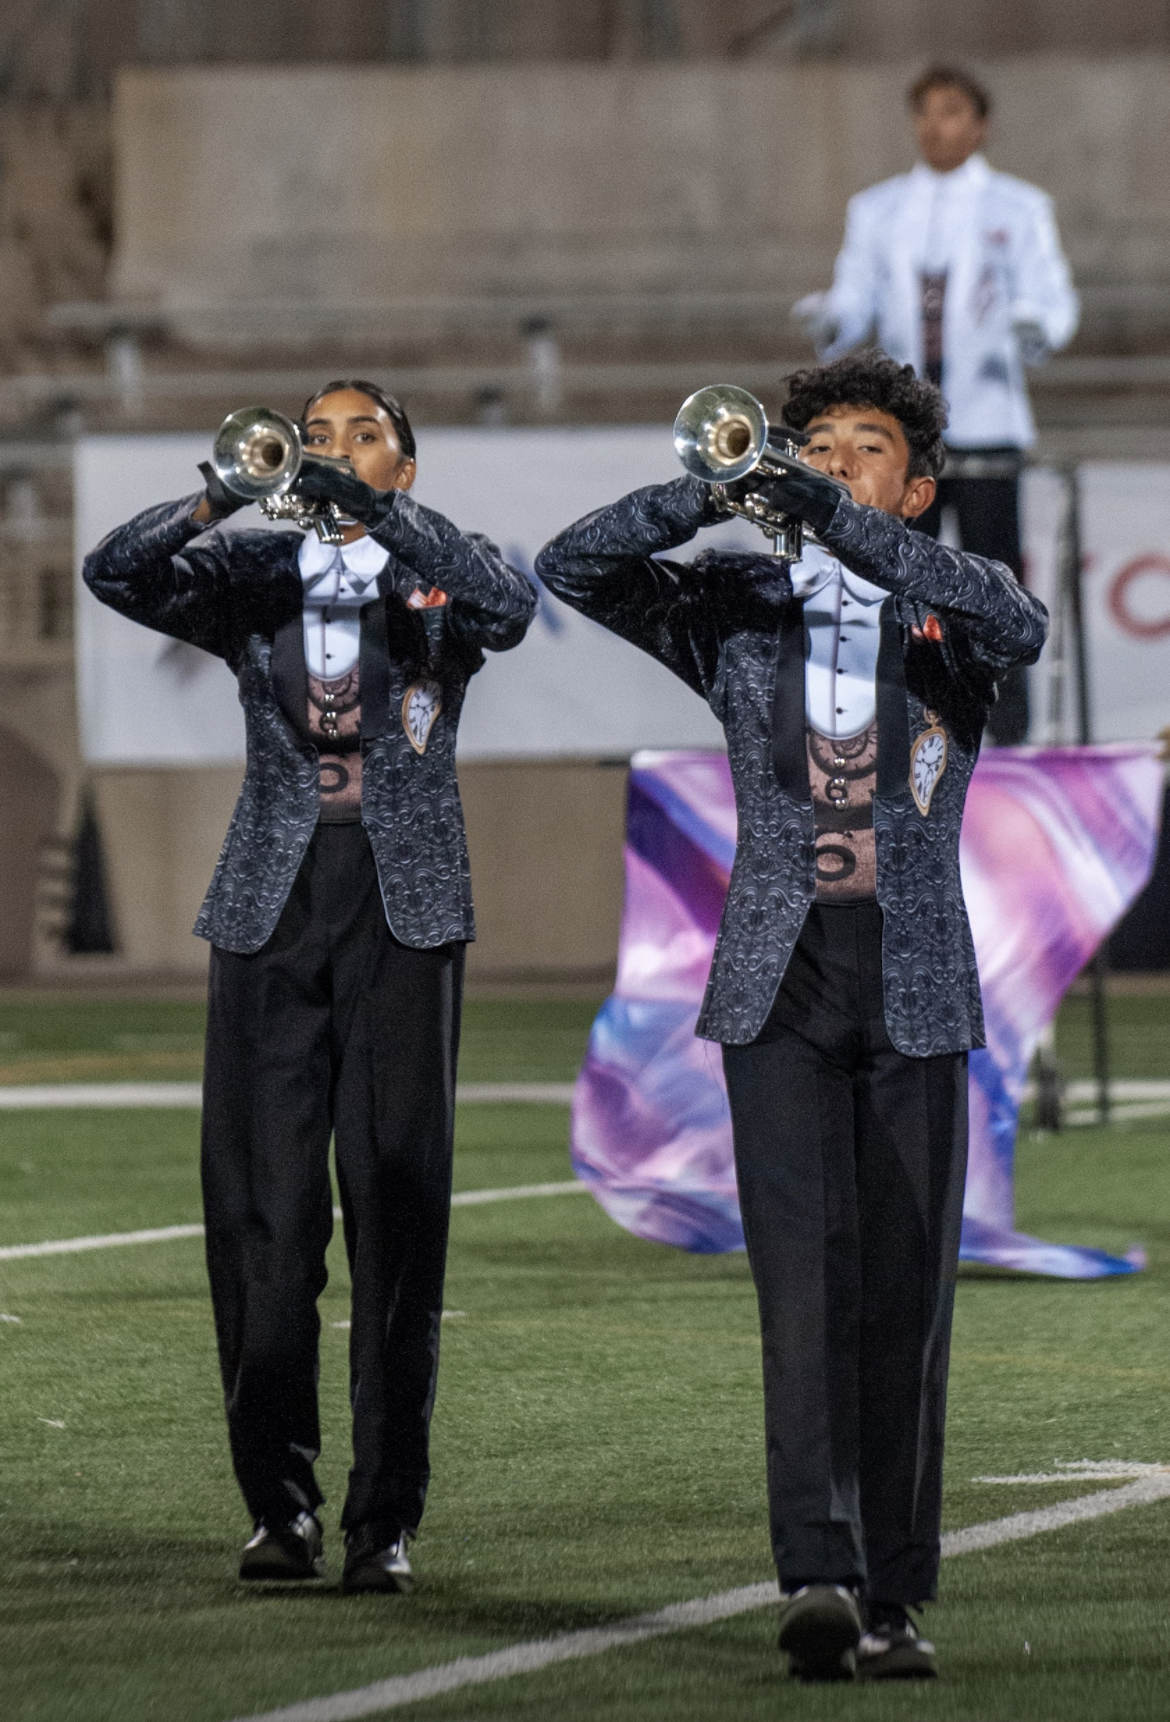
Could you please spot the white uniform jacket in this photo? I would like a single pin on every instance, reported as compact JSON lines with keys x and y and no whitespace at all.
{"x":996,"y":238}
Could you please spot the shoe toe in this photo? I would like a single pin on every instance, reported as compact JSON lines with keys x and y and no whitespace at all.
{"x":822,"y":1670}
{"x":897,"y":1656}
{"x":819,"y":1630}
{"x":387,"y":1569}
{"x":285,"y":1552}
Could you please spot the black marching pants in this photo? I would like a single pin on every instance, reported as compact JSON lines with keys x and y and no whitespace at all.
{"x":851,"y":1160}
{"x":988,"y":513}
{"x":332,"y":1028}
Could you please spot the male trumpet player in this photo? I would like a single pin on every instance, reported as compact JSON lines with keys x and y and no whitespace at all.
{"x":853,"y":687}
{"x":338,"y":917}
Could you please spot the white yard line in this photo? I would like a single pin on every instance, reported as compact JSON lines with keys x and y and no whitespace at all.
{"x":995,"y":1531}
{"x":165,"y":1234}
{"x":702,"y":1611}
{"x":38,"y":1096}
{"x":473,"y":1198}
{"x":1082,"y":1470}
{"x":525,"y":1093}
{"x":107,"y":1241}
{"x":1131,"y":1097}
{"x":62,"y":1094}
{"x":522,"y":1658}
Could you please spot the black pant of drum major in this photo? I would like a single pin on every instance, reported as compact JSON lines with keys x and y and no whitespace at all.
{"x":850,"y":1159}
{"x":987,"y":511}
{"x":333,"y":1027}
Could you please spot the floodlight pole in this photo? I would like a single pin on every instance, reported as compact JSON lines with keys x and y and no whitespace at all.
{"x":1073,"y":593}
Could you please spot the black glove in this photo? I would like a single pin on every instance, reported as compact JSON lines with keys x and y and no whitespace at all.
{"x":220,"y":500}
{"x":701,"y":496}
{"x":802,"y":491}
{"x":335,"y":481}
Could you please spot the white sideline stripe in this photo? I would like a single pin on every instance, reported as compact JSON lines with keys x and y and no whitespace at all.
{"x":165,"y":1234}
{"x":40,"y":1096}
{"x":1118,"y":1114}
{"x":702,"y":1611}
{"x":1132,"y":1097}
{"x":61,"y":1094}
{"x":1123,"y":1088}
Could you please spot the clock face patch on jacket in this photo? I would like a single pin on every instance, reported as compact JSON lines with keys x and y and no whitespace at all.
{"x":421,"y":705}
{"x":928,"y":761}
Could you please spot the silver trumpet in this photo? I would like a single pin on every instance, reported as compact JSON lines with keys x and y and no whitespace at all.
{"x":722,"y":434}
{"x":257,"y":454}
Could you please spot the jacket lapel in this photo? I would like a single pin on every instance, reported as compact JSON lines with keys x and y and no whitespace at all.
{"x":290,"y":675}
{"x":893,"y":718}
{"x":789,"y":747}
{"x":374,"y":667}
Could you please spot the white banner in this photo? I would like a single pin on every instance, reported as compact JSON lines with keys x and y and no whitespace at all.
{"x":1125,"y":549}
{"x":571,"y":688}
{"x":1125,"y":514}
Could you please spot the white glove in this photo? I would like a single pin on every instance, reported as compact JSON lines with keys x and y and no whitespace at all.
{"x":1030,"y":340}
{"x":815,"y":318}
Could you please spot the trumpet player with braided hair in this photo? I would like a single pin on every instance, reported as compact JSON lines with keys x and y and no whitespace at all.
{"x":338,"y":917}
{"x":853,"y":685}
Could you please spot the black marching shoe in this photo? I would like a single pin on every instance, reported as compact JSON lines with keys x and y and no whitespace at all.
{"x":820,"y":1627}
{"x":892,"y":1648}
{"x":372,"y":1563}
{"x":279,"y":1552}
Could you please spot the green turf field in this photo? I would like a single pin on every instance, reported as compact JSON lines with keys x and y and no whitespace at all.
{"x":503,"y":1041}
{"x":597,"y":1448}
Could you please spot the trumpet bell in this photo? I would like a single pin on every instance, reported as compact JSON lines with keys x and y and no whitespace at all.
{"x":257,"y":452}
{"x":720,"y":433}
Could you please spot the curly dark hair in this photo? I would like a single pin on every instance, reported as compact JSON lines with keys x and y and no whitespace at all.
{"x":394,"y":408}
{"x":949,"y":78}
{"x":873,"y":380}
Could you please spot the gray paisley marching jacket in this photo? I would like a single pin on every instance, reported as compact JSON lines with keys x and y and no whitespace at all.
{"x":729,"y":626}
{"x":240,"y":596}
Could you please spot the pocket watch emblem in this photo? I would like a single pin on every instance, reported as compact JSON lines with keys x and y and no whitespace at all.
{"x":421,"y":705}
{"x":928,"y":761}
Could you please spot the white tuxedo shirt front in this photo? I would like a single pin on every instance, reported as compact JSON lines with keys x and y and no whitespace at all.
{"x":338,"y":579}
{"x":842,"y":616}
